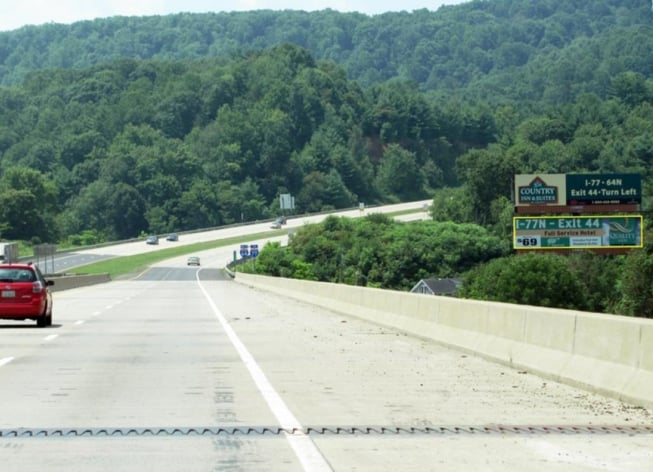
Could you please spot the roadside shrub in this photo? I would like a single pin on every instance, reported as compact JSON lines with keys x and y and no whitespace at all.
{"x":530,"y":279}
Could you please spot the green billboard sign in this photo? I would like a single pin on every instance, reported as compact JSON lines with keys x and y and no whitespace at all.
{"x":577,"y":232}
{"x":604,"y":189}
{"x":577,"y":189}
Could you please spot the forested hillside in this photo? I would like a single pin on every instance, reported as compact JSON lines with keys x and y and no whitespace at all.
{"x":497,"y":50}
{"x":134,"y":146}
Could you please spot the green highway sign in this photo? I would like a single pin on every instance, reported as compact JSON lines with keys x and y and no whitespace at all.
{"x":603,"y":189}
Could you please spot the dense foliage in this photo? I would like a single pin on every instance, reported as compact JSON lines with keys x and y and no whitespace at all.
{"x":497,"y":50}
{"x":531,"y":279}
{"x":636,"y":283}
{"x":584,"y":281}
{"x":117,"y":127}
{"x":377,"y":251}
{"x":134,"y":146}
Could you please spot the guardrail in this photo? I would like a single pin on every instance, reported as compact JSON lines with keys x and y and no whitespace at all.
{"x":608,"y":354}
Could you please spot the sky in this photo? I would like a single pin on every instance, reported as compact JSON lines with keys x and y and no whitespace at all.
{"x":17,"y":13}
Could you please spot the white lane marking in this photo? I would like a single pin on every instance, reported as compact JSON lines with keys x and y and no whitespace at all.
{"x":305,"y":450}
{"x":51,"y":337}
{"x":307,"y":453}
{"x":6,"y":361}
{"x":96,"y":313}
{"x":78,"y":322}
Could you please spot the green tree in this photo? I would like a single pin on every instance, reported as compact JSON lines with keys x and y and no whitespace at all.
{"x":29,"y":205}
{"x":19,"y":216}
{"x":199,"y":207}
{"x":488,"y":175}
{"x":599,"y":275}
{"x":452,"y":204}
{"x":531,"y":279}
{"x":115,"y":211}
{"x":636,"y":282}
{"x":399,"y":176}
{"x":630,"y":88}
{"x":322,"y":192}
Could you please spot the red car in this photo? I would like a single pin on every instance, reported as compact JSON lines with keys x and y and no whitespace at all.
{"x":25,"y":294}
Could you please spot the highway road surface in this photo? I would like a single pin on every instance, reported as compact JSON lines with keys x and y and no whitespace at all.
{"x":182,"y":369}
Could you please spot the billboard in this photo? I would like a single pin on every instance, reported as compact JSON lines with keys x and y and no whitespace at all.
{"x":577,"y":232}
{"x":577,"y":189}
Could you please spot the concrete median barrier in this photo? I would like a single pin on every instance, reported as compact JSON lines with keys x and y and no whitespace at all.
{"x":608,"y":354}
{"x":67,"y":282}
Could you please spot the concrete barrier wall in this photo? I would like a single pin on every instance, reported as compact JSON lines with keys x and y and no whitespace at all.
{"x":66,"y":282}
{"x":608,"y":354}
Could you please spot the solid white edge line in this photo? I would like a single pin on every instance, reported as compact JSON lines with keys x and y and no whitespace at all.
{"x":6,"y":361}
{"x":305,"y":450}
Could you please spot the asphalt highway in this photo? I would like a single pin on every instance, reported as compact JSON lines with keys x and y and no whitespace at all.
{"x":68,"y":261}
{"x":182,"y":369}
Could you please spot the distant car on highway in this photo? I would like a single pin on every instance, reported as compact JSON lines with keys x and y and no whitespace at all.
{"x":275,"y":225}
{"x":172,"y":237}
{"x":25,"y":294}
{"x":193,"y":260}
{"x":152,"y":240}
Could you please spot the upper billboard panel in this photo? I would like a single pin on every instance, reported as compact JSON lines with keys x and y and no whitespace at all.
{"x":577,"y":189}
{"x":604,"y":189}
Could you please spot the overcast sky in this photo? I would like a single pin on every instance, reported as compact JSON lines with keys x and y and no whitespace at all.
{"x":17,"y":13}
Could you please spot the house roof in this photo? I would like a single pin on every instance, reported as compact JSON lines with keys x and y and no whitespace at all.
{"x":446,"y":286}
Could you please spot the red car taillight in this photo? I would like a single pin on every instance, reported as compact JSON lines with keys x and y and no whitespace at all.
{"x":37,"y":287}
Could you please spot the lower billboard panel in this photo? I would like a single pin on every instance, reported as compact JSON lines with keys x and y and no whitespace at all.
{"x":577,"y":232}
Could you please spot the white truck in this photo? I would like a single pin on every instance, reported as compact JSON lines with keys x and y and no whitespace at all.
{"x":8,"y":252}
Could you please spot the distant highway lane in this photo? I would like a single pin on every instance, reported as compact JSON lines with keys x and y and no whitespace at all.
{"x":66,"y":261}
